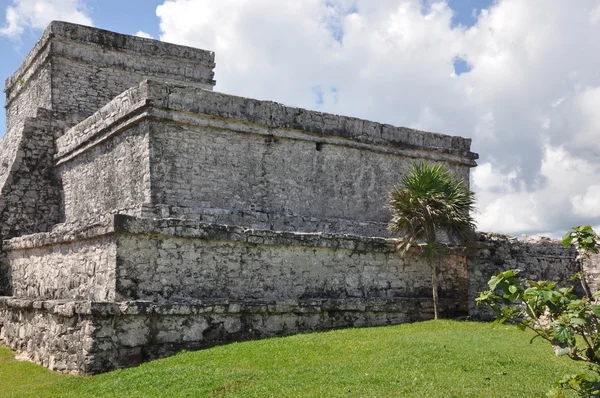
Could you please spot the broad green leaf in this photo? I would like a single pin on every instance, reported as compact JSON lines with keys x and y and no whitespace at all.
{"x":567,"y":239}
{"x":546,"y":295}
{"x":595,"y":309}
{"x":508,"y":274}
{"x":563,"y":334}
{"x":493,"y":282}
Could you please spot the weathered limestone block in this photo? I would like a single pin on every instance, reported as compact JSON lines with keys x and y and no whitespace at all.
{"x":537,"y":258}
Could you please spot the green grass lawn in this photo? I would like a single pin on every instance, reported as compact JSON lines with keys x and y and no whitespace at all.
{"x":428,"y":359}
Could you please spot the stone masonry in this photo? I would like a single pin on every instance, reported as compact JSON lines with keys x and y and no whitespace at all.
{"x":536,"y":258}
{"x":142,"y":213}
{"x":69,"y":74}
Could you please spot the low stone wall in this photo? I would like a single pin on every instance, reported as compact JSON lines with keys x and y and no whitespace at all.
{"x":78,"y":270}
{"x":92,"y":337}
{"x":537,"y":258}
{"x":181,"y":284}
{"x":128,"y":258}
{"x":155,"y":256}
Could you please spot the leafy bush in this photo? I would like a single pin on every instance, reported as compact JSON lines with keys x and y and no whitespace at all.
{"x":555,"y":314}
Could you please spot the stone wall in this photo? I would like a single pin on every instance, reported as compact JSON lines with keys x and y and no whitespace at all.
{"x":70,"y":73}
{"x":93,"y":337}
{"x":591,"y":267}
{"x":114,"y":177}
{"x":168,"y":259}
{"x":30,"y":197}
{"x":30,"y":90}
{"x":126,"y":258}
{"x":76,"y":270}
{"x":271,"y":181}
{"x":537,"y":258}
{"x":253,"y":168}
{"x":30,"y":192}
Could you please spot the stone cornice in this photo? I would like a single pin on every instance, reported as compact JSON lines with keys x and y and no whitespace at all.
{"x":195,"y":106}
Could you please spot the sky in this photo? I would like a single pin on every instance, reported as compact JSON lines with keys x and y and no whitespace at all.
{"x":520,"y":78}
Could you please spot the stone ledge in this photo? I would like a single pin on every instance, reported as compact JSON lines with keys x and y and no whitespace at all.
{"x":198,"y":229}
{"x":120,"y":223}
{"x":129,"y":43}
{"x":124,"y":224}
{"x":192,"y":100}
{"x":71,"y":308}
{"x":63,"y":233}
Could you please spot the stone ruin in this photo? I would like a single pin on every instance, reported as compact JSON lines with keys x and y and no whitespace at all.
{"x":142,"y":213}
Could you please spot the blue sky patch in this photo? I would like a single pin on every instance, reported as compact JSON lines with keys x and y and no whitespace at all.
{"x":466,"y":12}
{"x":461,"y":66}
{"x":319,"y":95}
{"x":329,"y":95}
{"x":335,"y":22}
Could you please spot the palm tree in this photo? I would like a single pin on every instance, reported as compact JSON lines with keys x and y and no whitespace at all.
{"x":429,"y":201}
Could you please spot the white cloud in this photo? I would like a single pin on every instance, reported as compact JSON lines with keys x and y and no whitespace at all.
{"x":595,"y":15}
{"x":530,"y":102}
{"x":23,"y":14}
{"x":587,"y":120}
{"x":143,"y":34}
{"x":588,"y":203}
{"x":557,"y":206}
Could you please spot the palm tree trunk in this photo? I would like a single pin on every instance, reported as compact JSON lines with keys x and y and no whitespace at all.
{"x":434,"y":285}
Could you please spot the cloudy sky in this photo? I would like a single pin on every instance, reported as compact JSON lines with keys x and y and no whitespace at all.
{"x":521,"y":78}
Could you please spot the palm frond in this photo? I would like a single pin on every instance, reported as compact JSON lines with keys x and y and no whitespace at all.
{"x":427,"y":200}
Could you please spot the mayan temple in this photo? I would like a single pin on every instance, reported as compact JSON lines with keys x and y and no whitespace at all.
{"x":142,"y":213}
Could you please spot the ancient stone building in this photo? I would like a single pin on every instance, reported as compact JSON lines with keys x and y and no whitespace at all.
{"x":142,"y":213}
